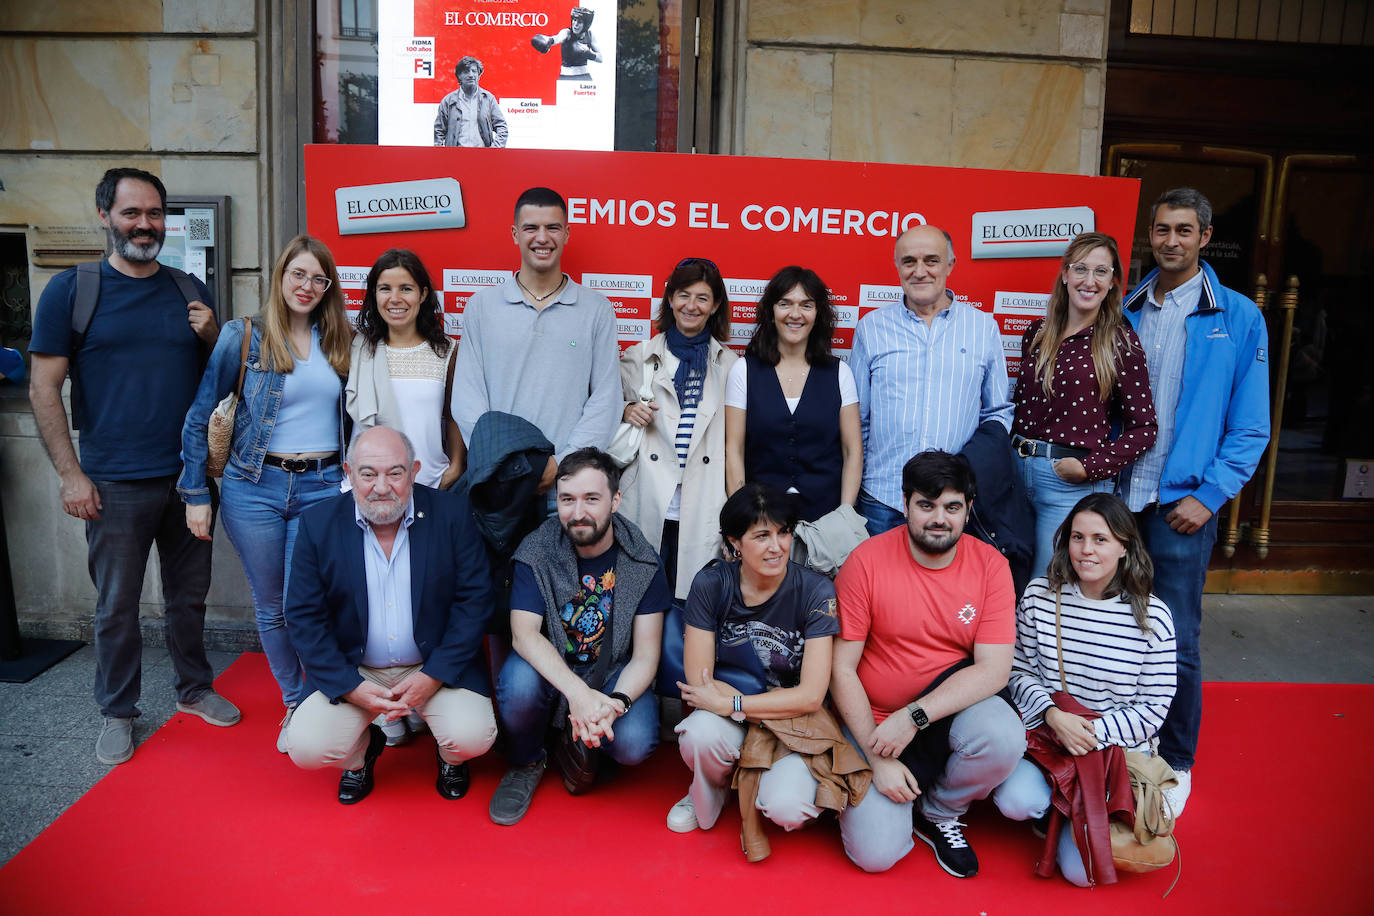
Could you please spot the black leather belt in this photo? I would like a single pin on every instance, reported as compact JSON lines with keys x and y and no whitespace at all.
{"x":299,"y":465}
{"x":1034,"y":448}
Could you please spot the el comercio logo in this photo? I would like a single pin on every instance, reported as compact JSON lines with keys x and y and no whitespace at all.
{"x":400,"y":206}
{"x":1042,"y":233}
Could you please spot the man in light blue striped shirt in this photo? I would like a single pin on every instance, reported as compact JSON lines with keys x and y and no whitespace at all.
{"x":929,"y":372}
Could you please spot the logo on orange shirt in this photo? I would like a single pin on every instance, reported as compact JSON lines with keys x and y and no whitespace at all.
{"x":967,"y":613}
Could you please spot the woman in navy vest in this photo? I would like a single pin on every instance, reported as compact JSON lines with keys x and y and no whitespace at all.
{"x":791,"y":408}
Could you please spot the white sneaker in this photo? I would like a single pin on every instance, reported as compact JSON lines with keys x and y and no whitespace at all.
{"x":682,"y":818}
{"x":283,"y":743}
{"x":1177,"y":796}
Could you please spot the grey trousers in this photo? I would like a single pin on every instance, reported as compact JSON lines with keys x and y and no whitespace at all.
{"x":134,"y":515}
{"x":986,"y":740}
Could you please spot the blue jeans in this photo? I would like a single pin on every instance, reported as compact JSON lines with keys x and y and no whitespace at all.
{"x":1052,"y":498}
{"x":1180,"y":572}
{"x":261,"y":520}
{"x":135,"y":514}
{"x":878,"y":516}
{"x":525,"y":704}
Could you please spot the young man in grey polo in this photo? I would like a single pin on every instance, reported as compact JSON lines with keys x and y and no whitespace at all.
{"x":541,"y":346}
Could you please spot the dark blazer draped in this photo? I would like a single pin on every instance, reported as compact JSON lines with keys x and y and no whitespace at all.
{"x":450,"y":593}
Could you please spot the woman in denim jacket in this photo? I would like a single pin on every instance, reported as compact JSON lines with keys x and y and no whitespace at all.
{"x":288,"y":436}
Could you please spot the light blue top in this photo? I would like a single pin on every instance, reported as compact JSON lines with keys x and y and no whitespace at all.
{"x":306,"y":419}
{"x":924,"y":387}
{"x":390,"y":624}
{"x":1164,"y":338}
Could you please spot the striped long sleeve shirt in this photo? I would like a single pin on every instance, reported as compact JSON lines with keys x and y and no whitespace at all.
{"x":1110,"y":665}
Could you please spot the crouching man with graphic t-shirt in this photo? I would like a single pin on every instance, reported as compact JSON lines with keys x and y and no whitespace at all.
{"x":587,"y":604}
{"x":927,"y":624}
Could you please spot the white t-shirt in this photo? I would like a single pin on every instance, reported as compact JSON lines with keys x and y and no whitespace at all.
{"x":418,"y":375}
{"x":737,"y":388}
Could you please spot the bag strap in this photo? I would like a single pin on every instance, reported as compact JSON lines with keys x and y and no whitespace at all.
{"x":448,"y":380}
{"x":646,"y":386}
{"x":1059,"y":641}
{"x":83,"y":309}
{"x":243,"y":354}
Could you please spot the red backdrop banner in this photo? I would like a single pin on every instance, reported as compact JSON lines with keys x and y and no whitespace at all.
{"x":633,"y":216}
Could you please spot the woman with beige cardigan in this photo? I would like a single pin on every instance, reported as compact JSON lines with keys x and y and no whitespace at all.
{"x":674,"y":490}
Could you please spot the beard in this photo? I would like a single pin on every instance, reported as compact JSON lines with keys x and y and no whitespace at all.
{"x":583,"y":532}
{"x":934,"y":541}
{"x":138,"y":247}
{"x":384,"y":511}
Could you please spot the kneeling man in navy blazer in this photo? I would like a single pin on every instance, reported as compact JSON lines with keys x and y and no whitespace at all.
{"x":387,"y":606}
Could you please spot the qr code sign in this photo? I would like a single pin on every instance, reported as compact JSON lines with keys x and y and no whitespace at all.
{"x":198,"y":230}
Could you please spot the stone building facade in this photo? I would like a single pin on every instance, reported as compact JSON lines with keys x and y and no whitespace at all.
{"x":216,"y":98}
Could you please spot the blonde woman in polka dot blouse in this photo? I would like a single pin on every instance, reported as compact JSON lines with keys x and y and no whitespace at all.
{"x":1083,"y":377}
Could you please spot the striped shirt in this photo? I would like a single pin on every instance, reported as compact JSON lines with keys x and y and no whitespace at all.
{"x":1111,"y":667}
{"x":924,"y":386}
{"x":1162,"y":334}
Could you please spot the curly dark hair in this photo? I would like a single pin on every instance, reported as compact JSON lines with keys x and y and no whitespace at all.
{"x":764,"y":344}
{"x":428,"y":323}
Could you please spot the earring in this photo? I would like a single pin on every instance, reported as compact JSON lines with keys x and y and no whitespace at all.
{"x":734,"y":552}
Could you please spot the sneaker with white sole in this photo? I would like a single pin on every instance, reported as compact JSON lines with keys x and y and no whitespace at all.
{"x":1176,"y":796}
{"x":682,"y":817}
{"x":952,"y":850}
{"x":116,"y":742}
{"x":284,"y":743}
{"x":213,"y":708}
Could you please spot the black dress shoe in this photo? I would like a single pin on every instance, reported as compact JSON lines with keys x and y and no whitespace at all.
{"x":576,"y":763}
{"x":355,"y":785}
{"x":453,"y":780}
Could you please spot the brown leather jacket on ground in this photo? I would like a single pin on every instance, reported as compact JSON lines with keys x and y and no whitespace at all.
{"x":842,"y":775}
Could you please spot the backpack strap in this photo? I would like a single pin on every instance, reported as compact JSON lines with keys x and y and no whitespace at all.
{"x":185,"y":285}
{"x":83,"y":308}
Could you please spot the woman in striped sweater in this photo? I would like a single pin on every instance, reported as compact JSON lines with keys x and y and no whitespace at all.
{"x":1118,"y":653}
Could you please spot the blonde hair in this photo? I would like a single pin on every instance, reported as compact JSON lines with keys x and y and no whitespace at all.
{"x":1107,"y":326}
{"x":328,"y":315}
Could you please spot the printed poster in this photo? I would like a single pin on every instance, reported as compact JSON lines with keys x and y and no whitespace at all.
{"x":532,"y":74}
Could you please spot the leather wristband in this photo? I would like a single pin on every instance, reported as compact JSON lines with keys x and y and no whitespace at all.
{"x":624,"y":700}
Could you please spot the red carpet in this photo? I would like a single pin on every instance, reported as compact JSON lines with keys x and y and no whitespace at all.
{"x":207,"y":820}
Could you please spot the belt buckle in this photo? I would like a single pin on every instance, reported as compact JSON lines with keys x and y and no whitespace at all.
{"x":1026,"y":448}
{"x":295,"y":465}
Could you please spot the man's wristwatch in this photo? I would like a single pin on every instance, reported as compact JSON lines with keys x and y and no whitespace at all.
{"x":624,"y":700}
{"x":918,"y":716}
{"x":738,"y":712}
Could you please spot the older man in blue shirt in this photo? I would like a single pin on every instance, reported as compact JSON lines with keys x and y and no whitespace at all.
{"x":387,"y":606}
{"x":929,"y":372}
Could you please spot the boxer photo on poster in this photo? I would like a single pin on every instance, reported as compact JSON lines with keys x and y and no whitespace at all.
{"x":578,"y":45}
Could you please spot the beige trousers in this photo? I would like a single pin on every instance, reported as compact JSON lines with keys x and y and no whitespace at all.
{"x":324,"y":734}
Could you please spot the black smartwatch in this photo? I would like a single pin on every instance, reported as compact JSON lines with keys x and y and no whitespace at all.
{"x":918,"y":716}
{"x":624,"y":700}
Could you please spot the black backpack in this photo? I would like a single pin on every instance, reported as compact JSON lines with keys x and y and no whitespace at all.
{"x":83,"y":309}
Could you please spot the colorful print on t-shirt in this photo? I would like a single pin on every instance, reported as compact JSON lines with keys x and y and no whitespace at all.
{"x":587,"y":616}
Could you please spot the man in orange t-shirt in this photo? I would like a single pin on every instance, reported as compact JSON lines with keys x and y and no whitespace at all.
{"x":927,"y":623}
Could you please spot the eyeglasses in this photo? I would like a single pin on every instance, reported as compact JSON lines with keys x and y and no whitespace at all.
{"x":1099,"y":273}
{"x":687,"y":262}
{"x":300,"y":278}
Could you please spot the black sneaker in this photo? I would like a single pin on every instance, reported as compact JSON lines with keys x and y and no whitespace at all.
{"x":952,"y":851}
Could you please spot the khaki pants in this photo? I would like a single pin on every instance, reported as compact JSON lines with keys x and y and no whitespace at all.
{"x":324,"y":734}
